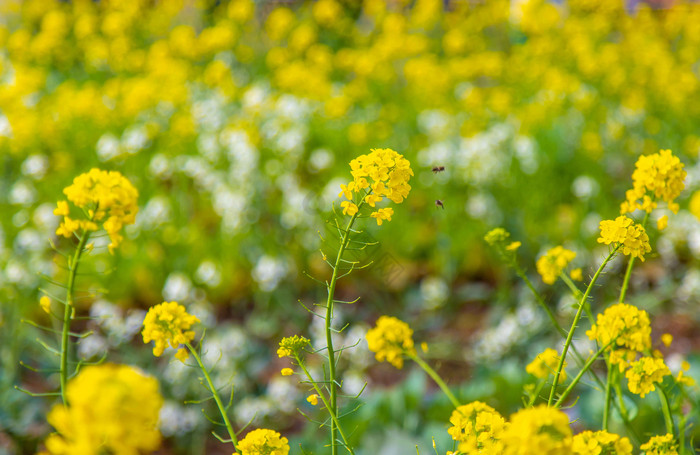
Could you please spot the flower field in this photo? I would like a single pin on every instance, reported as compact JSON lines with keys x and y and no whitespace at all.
{"x":349,"y":227}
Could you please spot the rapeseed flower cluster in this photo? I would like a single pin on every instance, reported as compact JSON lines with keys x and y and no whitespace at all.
{"x":390,"y":339}
{"x":600,"y":443}
{"x":538,"y":430}
{"x":291,"y":346}
{"x":660,"y":445}
{"x":659,"y":176}
{"x":105,"y":197}
{"x":545,"y":364}
{"x":111,"y":409}
{"x":553,"y":263}
{"x":264,"y":442}
{"x":630,"y":329}
{"x":643,"y":373}
{"x":477,"y":428}
{"x":632,"y":238}
{"x":383,"y":173}
{"x":169,"y":324}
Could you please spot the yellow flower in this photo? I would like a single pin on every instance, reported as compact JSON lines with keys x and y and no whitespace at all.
{"x":264,"y":442}
{"x":667,"y":339}
{"x":477,"y":427}
{"x":694,"y":205}
{"x":660,"y":445}
{"x":290,"y":346}
{"x":632,"y":237}
{"x":512,"y":246}
{"x":600,"y":443}
{"x":389,"y":172}
{"x":107,"y":197}
{"x":576,"y":274}
{"x":313,"y":399}
{"x":113,"y":408}
{"x":45,"y":304}
{"x":662,"y":223}
{"x":626,"y":324}
{"x":287,"y":372}
{"x":682,"y":378}
{"x":168,"y":324}
{"x":349,"y":208}
{"x":537,"y":431}
{"x":642,"y":374}
{"x":496,"y":236}
{"x":382,"y":214}
{"x":551,"y":264}
{"x":545,"y":364}
{"x":657,"y":176}
{"x":389,"y":339}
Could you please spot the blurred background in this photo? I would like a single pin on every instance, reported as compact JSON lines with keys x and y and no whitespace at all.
{"x":236,"y":121}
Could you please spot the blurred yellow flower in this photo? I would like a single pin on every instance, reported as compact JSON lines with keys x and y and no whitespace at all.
{"x":660,"y":445}
{"x":553,"y":263}
{"x":600,"y":442}
{"x":538,"y":430}
{"x":390,"y":339}
{"x":545,"y":364}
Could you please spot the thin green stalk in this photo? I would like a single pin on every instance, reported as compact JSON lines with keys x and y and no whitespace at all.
{"x":433,"y":374}
{"x":579,"y":312}
{"x":320,"y":394}
{"x":577,"y":293}
{"x":536,"y":392}
{"x":217,"y":399}
{"x":577,"y":355}
{"x":68,"y":312}
{"x":620,"y":398}
{"x":630,"y":265}
{"x":540,"y":301}
{"x":580,"y":374}
{"x":666,"y":409}
{"x":333,"y":405}
{"x":608,"y":390}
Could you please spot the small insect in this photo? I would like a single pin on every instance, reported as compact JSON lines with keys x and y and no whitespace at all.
{"x":437,"y":169}
{"x":438,"y":203}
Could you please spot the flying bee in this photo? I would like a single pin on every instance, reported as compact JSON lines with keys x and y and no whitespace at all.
{"x":437,"y":169}
{"x":438,"y":203}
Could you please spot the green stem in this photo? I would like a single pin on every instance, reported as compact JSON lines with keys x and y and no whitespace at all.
{"x":579,"y":312}
{"x":620,"y":398}
{"x":433,"y":374}
{"x":666,"y":409}
{"x":577,"y":355}
{"x":68,"y":312}
{"x":580,"y":374}
{"x":577,"y":294}
{"x":217,"y":399}
{"x":608,"y":395}
{"x":630,"y":265}
{"x":323,"y":398}
{"x":536,"y":393}
{"x":333,"y":405}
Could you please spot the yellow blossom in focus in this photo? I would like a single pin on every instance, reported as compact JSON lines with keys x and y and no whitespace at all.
{"x":382,"y":214}
{"x":657,"y":176}
{"x":600,"y":443}
{"x":660,"y":445}
{"x":113,"y":408}
{"x":349,"y":208}
{"x":390,"y":339}
{"x":540,"y":430}
{"x":108,"y":198}
{"x":168,"y":324}
{"x":642,"y":374}
{"x":287,"y":372}
{"x":290,"y":346}
{"x":264,"y":442}
{"x":388,"y":171}
{"x":553,"y":263}
{"x":622,"y":231}
{"x":312,"y":399}
{"x":628,"y":326}
{"x":545,"y":364}
{"x":477,"y":428}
